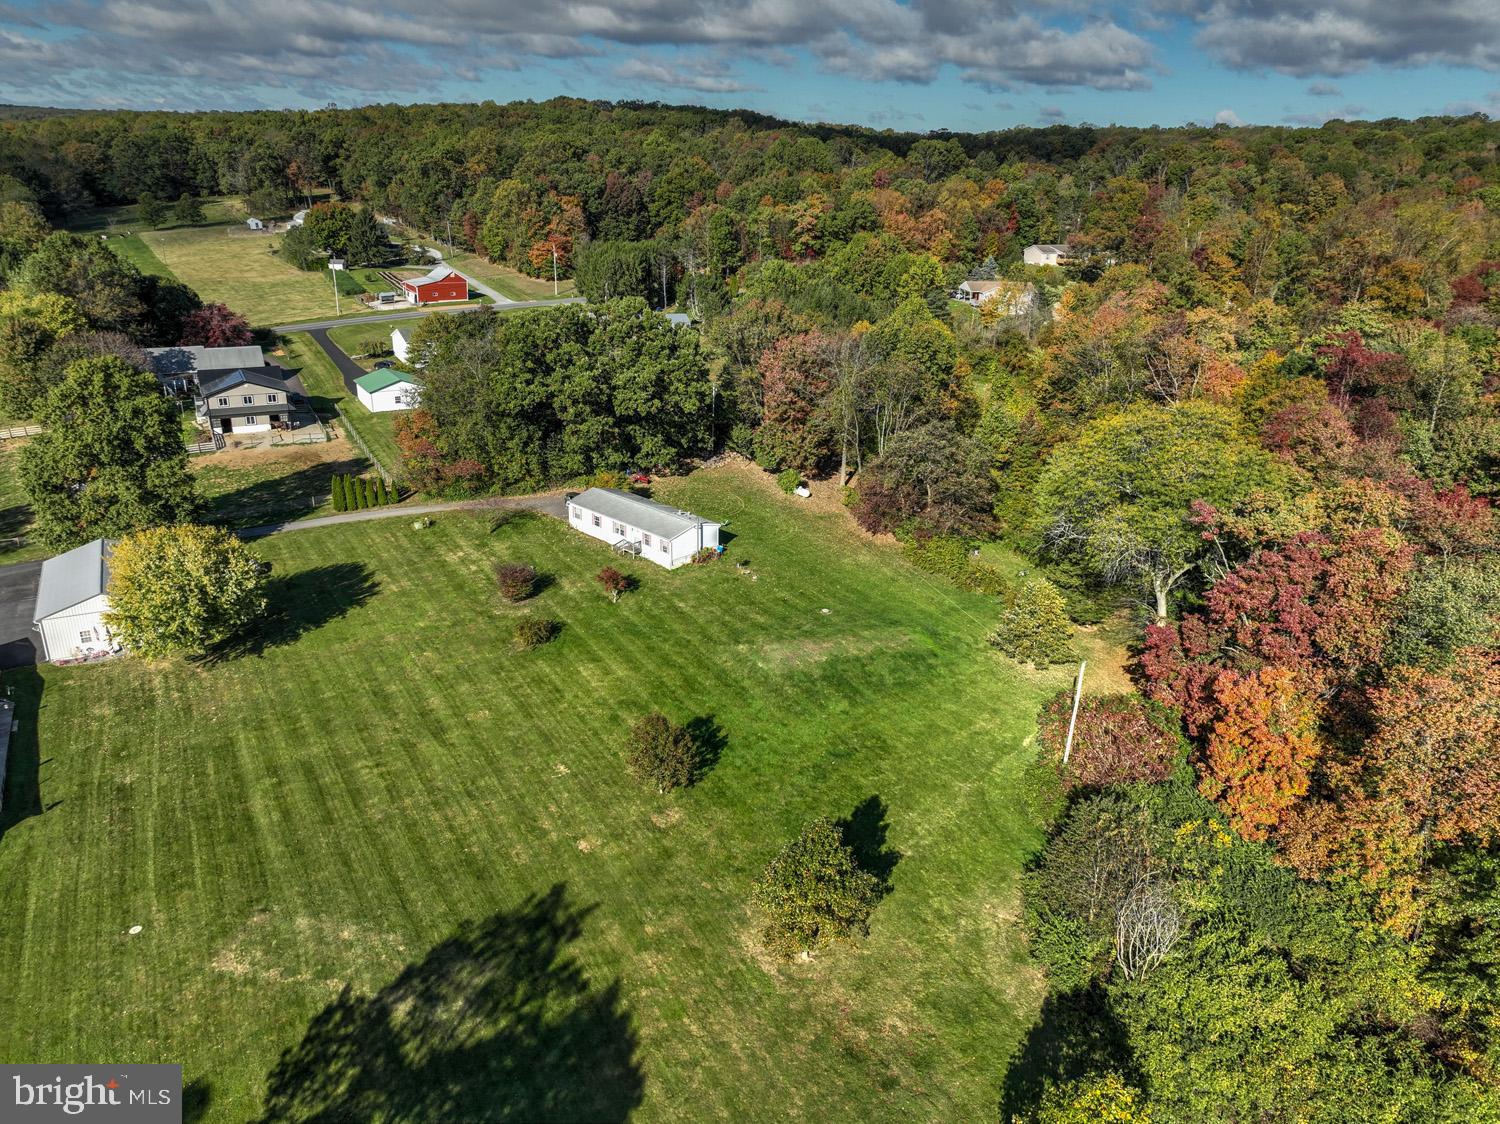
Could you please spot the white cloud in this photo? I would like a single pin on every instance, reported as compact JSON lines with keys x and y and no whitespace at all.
{"x":1334,"y":37}
{"x":1228,"y":117}
{"x":318,"y":48}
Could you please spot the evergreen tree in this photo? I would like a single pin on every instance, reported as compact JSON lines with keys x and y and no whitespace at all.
{"x":339,"y":503}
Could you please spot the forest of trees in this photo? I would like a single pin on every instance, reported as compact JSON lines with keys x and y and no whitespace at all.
{"x":1254,"y":410}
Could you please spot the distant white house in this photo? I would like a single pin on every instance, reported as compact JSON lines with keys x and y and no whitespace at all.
{"x":1045,"y":253}
{"x":299,"y":218}
{"x":71,"y":601}
{"x":1011,"y":298}
{"x":255,"y":224}
{"x":388,"y":389}
{"x":647,"y":529}
{"x":679,"y":319}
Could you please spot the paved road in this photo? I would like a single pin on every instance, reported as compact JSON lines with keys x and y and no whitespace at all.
{"x":548,"y":503}
{"x":18,"y":646}
{"x":418,"y":313}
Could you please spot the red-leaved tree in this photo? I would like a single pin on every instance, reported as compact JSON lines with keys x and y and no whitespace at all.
{"x":214,"y":325}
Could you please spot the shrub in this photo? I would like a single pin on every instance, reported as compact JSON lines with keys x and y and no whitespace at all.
{"x":614,"y":582}
{"x":948,"y":557}
{"x":662,"y":753}
{"x":1119,"y":739}
{"x":356,"y":488}
{"x":516,"y":580}
{"x":704,"y":556}
{"x":814,"y":894}
{"x":340,"y":502}
{"x":533,"y":632}
{"x":789,"y":480}
{"x":1034,"y":627}
{"x":370,"y":500}
{"x":380,"y":500}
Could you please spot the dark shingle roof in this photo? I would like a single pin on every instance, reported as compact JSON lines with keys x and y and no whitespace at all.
{"x":270,"y":378}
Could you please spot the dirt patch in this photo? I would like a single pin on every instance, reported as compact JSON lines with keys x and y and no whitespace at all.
{"x":294,"y":457}
{"x":666,"y":819}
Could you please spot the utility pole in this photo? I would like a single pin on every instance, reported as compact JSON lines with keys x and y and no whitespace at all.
{"x":1077,"y":694}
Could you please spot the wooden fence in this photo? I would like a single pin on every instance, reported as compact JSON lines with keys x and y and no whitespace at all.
{"x":11,"y":433}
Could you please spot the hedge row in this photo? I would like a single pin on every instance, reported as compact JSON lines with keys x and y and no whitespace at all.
{"x":355,"y":493}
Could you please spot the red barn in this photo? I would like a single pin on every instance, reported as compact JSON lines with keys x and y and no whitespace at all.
{"x":442,"y":284}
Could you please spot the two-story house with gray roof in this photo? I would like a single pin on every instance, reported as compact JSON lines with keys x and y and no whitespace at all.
{"x":245,"y":401}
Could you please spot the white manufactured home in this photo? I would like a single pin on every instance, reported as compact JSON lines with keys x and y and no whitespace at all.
{"x":635,"y":525}
{"x":71,"y":602}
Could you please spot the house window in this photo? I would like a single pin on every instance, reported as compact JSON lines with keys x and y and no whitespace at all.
{"x":619,"y":529}
{"x":575,"y":513}
{"x":86,"y":636}
{"x":223,"y":401}
{"x":271,"y":397}
{"x":596,"y":521}
{"x":250,"y":420}
{"x":248,"y":399}
{"x":646,"y":539}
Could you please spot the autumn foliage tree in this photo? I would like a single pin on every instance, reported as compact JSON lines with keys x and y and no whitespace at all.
{"x":1260,"y":751}
{"x":1428,"y":778}
{"x":215,"y":325}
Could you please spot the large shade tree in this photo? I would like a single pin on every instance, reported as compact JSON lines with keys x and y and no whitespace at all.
{"x":1118,"y":495}
{"x":182,"y":589}
{"x":110,"y":457}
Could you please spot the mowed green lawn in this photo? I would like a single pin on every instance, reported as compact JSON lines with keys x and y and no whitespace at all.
{"x":333,"y":845}
{"x":325,"y":387}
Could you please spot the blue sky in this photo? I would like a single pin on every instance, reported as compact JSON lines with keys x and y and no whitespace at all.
{"x":903,"y":64}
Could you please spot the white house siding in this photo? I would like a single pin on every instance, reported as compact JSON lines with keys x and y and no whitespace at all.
{"x":400,"y":396}
{"x":62,"y":637}
{"x":669,"y":553}
{"x":400,"y":345}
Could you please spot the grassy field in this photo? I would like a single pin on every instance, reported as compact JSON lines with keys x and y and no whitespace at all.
{"x":15,"y":511}
{"x":248,"y":487}
{"x":241,"y":271}
{"x":98,"y":220}
{"x":388,"y":868}
{"x":326,"y":388}
{"x":510,"y":282}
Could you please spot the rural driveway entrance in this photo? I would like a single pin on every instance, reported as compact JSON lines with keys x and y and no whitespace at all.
{"x":17,"y":600}
{"x":348,"y":368}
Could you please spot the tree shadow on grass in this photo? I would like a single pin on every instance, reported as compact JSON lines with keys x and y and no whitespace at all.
{"x":266,"y":501}
{"x":709,"y":743}
{"x":498,"y":1023}
{"x":22,"y":795}
{"x":1075,"y":1035}
{"x":197,"y":1095}
{"x":864,"y":832}
{"x":299,"y":603}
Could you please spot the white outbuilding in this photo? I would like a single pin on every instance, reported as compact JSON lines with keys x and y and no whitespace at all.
{"x":255,"y":223}
{"x":400,"y":346}
{"x":71,"y":601}
{"x":388,"y":389}
{"x":635,"y":525}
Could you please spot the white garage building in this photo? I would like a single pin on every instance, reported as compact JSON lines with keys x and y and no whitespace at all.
{"x":71,"y":603}
{"x":388,"y":389}
{"x":635,"y":525}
